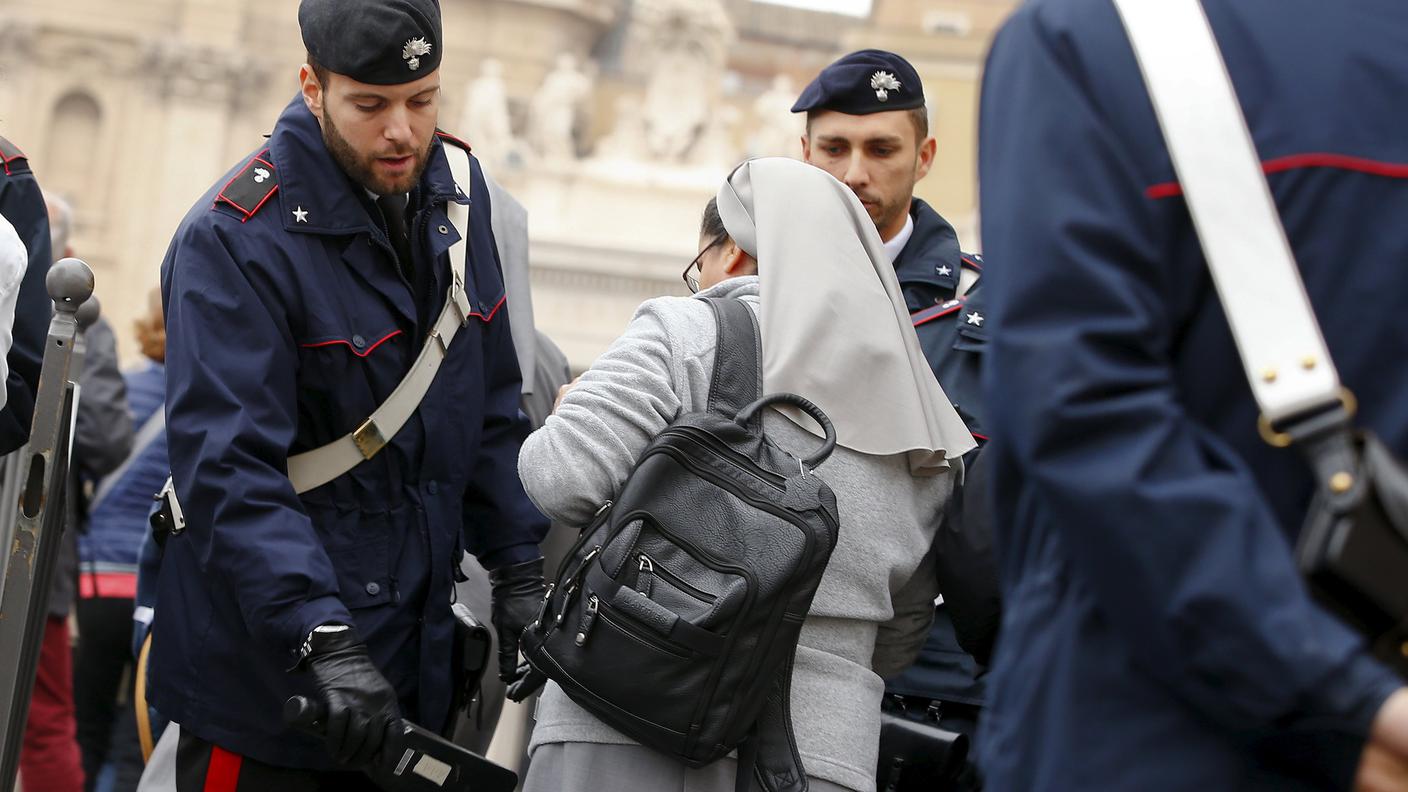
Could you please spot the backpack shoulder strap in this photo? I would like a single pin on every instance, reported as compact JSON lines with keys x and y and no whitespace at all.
{"x":738,"y":371}
{"x":768,"y":759}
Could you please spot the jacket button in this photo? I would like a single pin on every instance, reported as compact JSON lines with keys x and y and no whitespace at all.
{"x":432,"y":488}
{"x":444,"y":230}
{"x":358,"y":341}
{"x":373,"y":589}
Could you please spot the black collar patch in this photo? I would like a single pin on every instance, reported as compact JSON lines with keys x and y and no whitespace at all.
{"x":10,"y":153}
{"x":252,"y":187}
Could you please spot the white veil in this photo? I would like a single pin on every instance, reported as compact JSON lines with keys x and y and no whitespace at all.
{"x":835,"y":327}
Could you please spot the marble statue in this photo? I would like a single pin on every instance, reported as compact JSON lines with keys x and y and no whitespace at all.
{"x":553,"y":111}
{"x":683,"y":46}
{"x":486,"y":117}
{"x":777,"y":130}
{"x":626,"y":140}
{"x":718,"y":150}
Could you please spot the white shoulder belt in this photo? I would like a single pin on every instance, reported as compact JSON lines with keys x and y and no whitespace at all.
{"x":312,"y":469}
{"x":1282,"y":350}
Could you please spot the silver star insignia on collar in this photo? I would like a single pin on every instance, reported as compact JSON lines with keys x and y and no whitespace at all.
{"x":883,"y":82}
{"x":300,"y":216}
{"x":412,"y":50}
{"x":975,"y":318}
{"x":944,"y":270}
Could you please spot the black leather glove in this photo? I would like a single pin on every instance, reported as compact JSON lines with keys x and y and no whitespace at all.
{"x":527,"y":681}
{"x":361,"y":704}
{"x":518,"y":595}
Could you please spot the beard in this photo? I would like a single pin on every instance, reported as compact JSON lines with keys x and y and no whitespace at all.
{"x":362,"y":167}
{"x":883,"y":213}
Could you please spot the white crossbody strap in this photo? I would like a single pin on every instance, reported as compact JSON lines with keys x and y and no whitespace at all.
{"x":315,"y":468}
{"x":1252,"y":266}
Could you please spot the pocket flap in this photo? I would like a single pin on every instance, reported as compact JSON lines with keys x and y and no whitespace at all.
{"x":359,"y":344}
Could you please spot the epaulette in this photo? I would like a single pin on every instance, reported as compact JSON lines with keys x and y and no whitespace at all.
{"x":936,"y":312}
{"x":457,"y":141}
{"x":251,"y":188}
{"x":972,"y":261}
{"x":10,"y":153}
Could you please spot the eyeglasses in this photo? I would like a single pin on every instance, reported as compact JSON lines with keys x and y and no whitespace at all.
{"x":695,"y":268}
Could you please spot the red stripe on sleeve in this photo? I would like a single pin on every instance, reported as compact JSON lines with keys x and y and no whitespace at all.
{"x":1390,"y":170}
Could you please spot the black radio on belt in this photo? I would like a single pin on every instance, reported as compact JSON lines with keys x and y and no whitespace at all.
{"x":473,"y":645}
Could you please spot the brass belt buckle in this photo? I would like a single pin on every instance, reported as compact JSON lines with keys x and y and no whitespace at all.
{"x":369,"y":438}
{"x":1279,"y":439}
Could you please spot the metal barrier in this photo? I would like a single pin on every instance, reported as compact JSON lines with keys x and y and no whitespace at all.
{"x":11,"y":477}
{"x":33,"y":549}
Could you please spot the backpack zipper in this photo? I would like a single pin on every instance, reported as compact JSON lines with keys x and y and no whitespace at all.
{"x":588,"y":619}
{"x":748,"y":466}
{"x":571,"y":586}
{"x":649,"y":569}
{"x":582,"y":537}
{"x":645,"y":576}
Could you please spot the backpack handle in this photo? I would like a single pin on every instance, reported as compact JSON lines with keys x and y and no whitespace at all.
{"x":805,"y":405}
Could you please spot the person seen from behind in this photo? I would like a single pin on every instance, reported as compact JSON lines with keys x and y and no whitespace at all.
{"x":796,"y":246}
{"x":1157,"y":633}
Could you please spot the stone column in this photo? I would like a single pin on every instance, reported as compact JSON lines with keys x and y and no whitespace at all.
{"x":199,"y":81}
{"x":17,"y":75}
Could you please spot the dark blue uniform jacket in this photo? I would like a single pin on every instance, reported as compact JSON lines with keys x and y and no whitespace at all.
{"x":1156,"y":635}
{"x":928,"y":269}
{"x":287,"y":325}
{"x":23,"y":205}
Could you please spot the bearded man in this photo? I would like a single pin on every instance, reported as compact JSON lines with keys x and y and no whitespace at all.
{"x":343,"y":422}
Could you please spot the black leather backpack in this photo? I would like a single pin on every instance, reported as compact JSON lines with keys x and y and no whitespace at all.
{"x":675,"y":618}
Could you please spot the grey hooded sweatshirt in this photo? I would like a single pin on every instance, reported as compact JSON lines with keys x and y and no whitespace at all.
{"x":872,"y":611}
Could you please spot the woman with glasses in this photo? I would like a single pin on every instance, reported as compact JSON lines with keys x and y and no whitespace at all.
{"x":713,"y":230}
{"x":795,"y":245}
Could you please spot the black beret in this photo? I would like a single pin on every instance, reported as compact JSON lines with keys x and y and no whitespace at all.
{"x":381,"y":42}
{"x":864,"y":82}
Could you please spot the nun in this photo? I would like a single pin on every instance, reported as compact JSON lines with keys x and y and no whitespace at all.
{"x":795,"y":245}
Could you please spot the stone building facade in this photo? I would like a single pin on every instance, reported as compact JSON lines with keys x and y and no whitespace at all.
{"x":131,"y":109}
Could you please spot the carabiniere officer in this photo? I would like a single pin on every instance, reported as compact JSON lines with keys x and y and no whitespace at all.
{"x":868,"y":125}
{"x":298,"y":291}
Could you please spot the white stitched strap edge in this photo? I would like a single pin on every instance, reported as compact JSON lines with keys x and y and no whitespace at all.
{"x":1282,"y":350}
{"x":312,"y":469}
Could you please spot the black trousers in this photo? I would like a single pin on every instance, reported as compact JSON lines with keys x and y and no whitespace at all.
{"x":102,"y":692}
{"x":203,"y":767}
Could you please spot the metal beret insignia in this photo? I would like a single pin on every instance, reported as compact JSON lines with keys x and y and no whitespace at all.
{"x":413,"y":49}
{"x":883,"y":82}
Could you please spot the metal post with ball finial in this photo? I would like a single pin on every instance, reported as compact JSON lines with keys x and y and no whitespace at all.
{"x":33,"y":550}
